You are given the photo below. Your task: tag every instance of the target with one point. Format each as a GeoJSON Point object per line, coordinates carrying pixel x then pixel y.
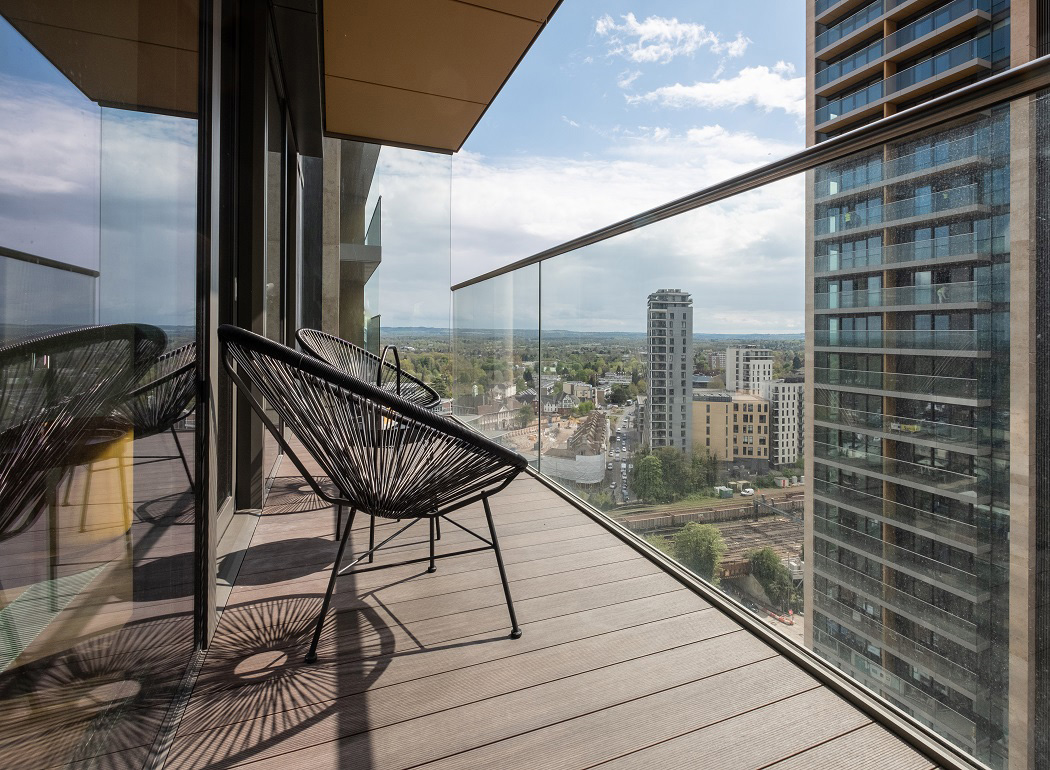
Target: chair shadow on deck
{"type": "Point", "coordinates": [255, 692]}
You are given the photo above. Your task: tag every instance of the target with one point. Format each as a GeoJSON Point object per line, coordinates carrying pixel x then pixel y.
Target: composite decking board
{"type": "Point", "coordinates": [316, 552]}
{"type": "Point", "coordinates": [525, 508]}
{"type": "Point", "coordinates": [404, 744]}
{"type": "Point", "coordinates": [416, 698]}
{"type": "Point", "coordinates": [528, 594]}
{"type": "Point", "coordinates": [774, 731]}
{"type": "Point", "coordinates": [407, 678]}
{"type": "Point", "coordinates": [607, 732]}
{"type": "Point", "coordinates": [269, 620]}
{"type": "Point", "coordinates": [219, 682]}
{"type": "Point", "coordinates": [279, 581]}
{"type": "Point", "coordinates": [867, 748]}
{"type": "Point", "coordinates": [398, 584]}
{"type": "Point", "coordinates": [303, 550]}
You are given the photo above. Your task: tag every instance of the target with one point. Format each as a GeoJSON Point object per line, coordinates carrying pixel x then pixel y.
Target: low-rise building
{"type": "Point", "coordinates": [732, 426]}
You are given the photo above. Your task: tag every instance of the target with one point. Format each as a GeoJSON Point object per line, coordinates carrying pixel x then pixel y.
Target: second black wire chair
{"type": "Point", "coordinates": [367, 366]}
{"type": "Point", "coordinates": [165, 398]}
{"type": "Point", "coordinates": [386, 456]}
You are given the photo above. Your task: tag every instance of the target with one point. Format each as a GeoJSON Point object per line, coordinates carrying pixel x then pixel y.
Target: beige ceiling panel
{"type": "Point", "coordinates": [439, 47]}
{"type": "Point", "coordinates": [396, 116]}
{"type": "Point", "coordinates": [121, 72]}
{"type": "Point", "coordinates": [537, 10]}
{"type": "Point", "coordinates": [171, 23]}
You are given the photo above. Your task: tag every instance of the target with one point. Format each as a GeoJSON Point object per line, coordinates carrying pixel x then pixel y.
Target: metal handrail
{"type": "Point", "coordinates": [1002, 87]}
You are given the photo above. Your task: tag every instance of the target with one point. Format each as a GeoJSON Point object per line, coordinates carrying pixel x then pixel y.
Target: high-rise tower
{"type": "Point", "coordinates": [915, 333]}
{"type": "Point", "coordinates": [669, 334]}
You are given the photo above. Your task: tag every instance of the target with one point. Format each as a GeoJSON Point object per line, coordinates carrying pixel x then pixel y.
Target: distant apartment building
{"type": "Point", "coordinates": [786, 406]}
{"type": "Point", "coordinates": [669, 330]}
{"type": "Point", "coordinates": [716, 359]}
{"type": "Point", "coordinates": [918, 496]}
{"type": "Point", "coordinates": [748, 369]}
{"type": "Point", "coordinates": [735, 427]}
{"type": "Point", "coordinates": [582, 390]}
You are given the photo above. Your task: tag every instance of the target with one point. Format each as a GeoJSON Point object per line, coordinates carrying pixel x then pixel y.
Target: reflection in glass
{"type": "Point", "coordinates": [97, 226]}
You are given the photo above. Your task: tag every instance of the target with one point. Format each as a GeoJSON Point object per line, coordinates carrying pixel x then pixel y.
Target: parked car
{"type": "Point", "coordinates": [608, 467]}
{"type": "Point", "coordinates": [747, 492]}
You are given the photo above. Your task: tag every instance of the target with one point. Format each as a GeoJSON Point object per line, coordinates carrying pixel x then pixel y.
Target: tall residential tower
{"type": "Point", "coordinates": [668, 409]}
{"type": "Point", "coordinates": [917, 448]}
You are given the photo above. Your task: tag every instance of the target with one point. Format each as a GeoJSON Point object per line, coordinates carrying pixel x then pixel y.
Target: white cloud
{"type": "Point", "coordinates": [627, 77]}
{"type": "Point", "coordinates": [743, 258]}
{"type": "Point", "coordinates": [769, 88]}
{"type": "Point", "coordinates": [659, 39]}
{"type": "Point", "coordinates": [570, 121]}
{"type": "Point", "coordinates": [746, 252]}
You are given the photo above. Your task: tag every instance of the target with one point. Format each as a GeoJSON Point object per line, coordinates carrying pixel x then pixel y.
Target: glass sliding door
{"type": "Point", "coordinates": [98, 307]}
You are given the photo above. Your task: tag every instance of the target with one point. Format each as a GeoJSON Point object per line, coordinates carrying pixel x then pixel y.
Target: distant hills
{"type": "Point", "coordinates": [561, 334]}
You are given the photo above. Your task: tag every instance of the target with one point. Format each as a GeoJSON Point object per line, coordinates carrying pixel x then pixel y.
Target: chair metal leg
{"type": "Point", "coordinates": [338, 521]}
{"type": "Point", "coordinates": [515, 631]}
{"type": "Point", "coordinates": [371, 538]}
{"type": "Point", "coordinates": [182, 456]}
{"type": "Point", "coordinates": [311, 656]}
{"type": "Point", "coordinates": [437, 521]}
{"type": "Point", "coordinates": [433, 566]}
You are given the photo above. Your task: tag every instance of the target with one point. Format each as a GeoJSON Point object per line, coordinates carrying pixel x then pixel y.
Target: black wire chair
{"type": "Point", "coordinates": [365, 365]}
{"type": "Point", "coordinates": [386, 456]}
{"type": "Point", "coordinates": [166, 398]}
{"type": "Point", "coordinates": [54, 390]}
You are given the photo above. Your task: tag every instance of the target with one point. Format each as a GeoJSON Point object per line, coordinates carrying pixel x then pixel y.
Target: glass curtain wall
{"type": "Point", "coordinates": [98, 238]}
{"type": "Point", "coordinates": [674, 397]}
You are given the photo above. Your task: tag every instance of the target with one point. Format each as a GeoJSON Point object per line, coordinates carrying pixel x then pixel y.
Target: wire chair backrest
{"type": "Point", "coordinates": [367, 366]}
{"type": "Point", "coordinates": [384, 454]}
{"type": "Point", "coordinates": [166, 393]}
{"type": "Point", "coordinates": [53, 390]}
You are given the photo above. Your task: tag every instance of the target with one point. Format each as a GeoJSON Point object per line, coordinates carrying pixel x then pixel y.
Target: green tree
{"type": "Point", "coordinates": [796, 362]}
{"type": "Point", "coordinates": [704, 471]}
{"type": "Point", "coordinates": [584, 408]}
{"type": "Point", "coordinates": [676, 471]}
{"type": "Point", "coordinates": [700, 547]}
{"type": "Point", "coordinates": [649, 480]}
{"type": "Point", "coordinates": [525, 415]}
{"type": "Point", "coordinates": [772, 575]}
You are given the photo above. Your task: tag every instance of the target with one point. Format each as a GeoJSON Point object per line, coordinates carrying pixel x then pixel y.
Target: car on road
{"type": "Point", "coordinates": [608, 467]}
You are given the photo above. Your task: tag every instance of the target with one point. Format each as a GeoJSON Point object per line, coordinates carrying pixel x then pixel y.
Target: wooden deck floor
{"type": "Point", "coordinates": [620, 665]}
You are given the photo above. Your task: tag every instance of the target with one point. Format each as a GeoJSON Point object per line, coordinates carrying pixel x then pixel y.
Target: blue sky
{"type": "Point", "coordinates": [617, 108]}
{"type": "Point", "coordinates": [573, 70]}
{"type": "Point", "coordinates": [621, 106]}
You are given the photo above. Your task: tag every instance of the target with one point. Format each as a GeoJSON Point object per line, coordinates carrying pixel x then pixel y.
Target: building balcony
{"type": "Point", "coordinates": [939, 481]}
{"type": "Point", "coordinates": [956, 533]}
{"type": "Point", "coordinates": [957, 581]}
{"type": "Point", "coordinates": [906, 605]}
{"type": "Point", "coordinates": [961, 390]}
{"type": "Point", "coordinates": [861, 24]}
{"type": "Point", "coordinates": [963, 295]}
{"type": "Point", "coordinates": [957, 438]}
{"type": "Point", "coordinates": [959, 154]}
{"type": "Point", "coordinates": [966, 247]}
{"type": "Point", "coordinates": [926, 708]}
{"type": "Point", "coordinates": [957, 342]}
{"type": "Point", "coordinates": [416, 670]}
{"type": "Point", "coordinates": [929, 30]}
{"type": "Point", "coordinates": [945, 68]}
{"type": "Point", "coordinates": [933, 206]}
{"type": "Point", "coordinates": [959, 677]}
